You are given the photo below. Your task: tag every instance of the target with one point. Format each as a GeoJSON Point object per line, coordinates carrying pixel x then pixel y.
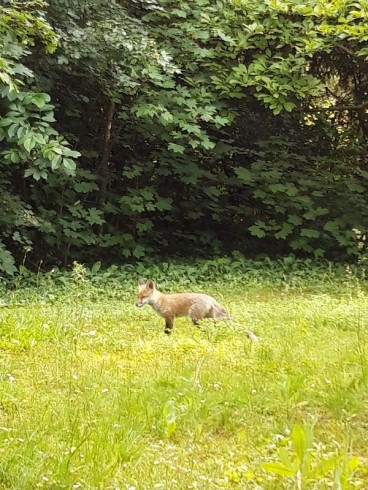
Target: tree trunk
{"type": "Point", "coordinates": [105, 154]}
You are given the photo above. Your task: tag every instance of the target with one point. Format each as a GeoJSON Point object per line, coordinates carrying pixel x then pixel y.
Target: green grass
{"type": "Point", "coordinates": [94, 395]}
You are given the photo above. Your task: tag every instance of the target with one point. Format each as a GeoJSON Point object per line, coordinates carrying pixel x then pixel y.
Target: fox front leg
{"type": "Point", "coordinates": [169, 323]}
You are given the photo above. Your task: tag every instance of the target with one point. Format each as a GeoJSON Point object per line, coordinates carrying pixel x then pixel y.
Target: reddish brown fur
{"type": "Point", "coordinates": [195, 305]}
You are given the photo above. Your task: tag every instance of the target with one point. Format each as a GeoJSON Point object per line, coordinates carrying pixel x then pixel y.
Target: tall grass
{"type": "Point", "coordinates": [95, 396]}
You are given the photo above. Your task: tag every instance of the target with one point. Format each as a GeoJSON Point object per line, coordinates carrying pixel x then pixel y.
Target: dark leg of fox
{"type": "Point", "coordinates": [196, 313]}
{"type": "Point", "coordinates": [195, 322]}
{"type": "Point", "coordinates": [169, 323]}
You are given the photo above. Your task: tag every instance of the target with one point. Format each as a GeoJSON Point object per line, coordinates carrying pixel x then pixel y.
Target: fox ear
{"type": "Point", "coordinates": [150, 284]}
{"type": "Point", "coordinates": [141, 282]}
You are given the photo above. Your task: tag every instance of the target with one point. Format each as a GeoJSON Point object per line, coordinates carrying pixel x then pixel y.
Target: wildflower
{"type": "Point", "coordinates": [11, 378]}
{"type": "Point", "coordinates": [198, 384]}
{"type": "Point", "coordinates": [74, 376]}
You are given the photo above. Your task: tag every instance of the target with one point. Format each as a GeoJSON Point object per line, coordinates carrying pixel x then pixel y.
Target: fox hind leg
{"type": "Point", "coordinates": [197, 312]}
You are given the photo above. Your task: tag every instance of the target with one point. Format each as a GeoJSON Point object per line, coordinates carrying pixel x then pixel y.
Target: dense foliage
{"type": "Point", "coordinates": [157, 127]}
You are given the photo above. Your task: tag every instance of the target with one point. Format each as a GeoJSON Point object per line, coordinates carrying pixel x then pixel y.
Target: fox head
{"type": "Point", "coordinates": [145, 292]}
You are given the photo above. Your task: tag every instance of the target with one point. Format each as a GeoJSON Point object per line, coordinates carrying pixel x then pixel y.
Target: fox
{"type": "Point", "coordinates": [170, 306]}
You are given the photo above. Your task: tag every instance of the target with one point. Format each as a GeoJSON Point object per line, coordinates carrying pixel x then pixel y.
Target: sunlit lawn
{"type": "Point", "coordinates": [94, 395]}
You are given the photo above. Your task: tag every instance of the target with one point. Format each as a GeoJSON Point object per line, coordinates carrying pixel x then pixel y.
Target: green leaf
{"type": "Point", "coordinates": [309, 233]}
{"type": "Point", "coordinates": [170, 429]}
{"type": "Point", "coordinates": [139, 251]}
{"type": "Point", "coordinates": [95, 217]}
{"type": "Point", "coordinates": [49, 117]}
{"type": "Point", "coordinates": [96, 267]}
{"type": "Point", "coordinates": [39, 138]}
{"type": "Point", "coordinates": [353, 464]}
{"type": "Point", "coordinates": [164, 203]}
{"type": "Point", "coordinates": [29, 143]}
{"type": "Point", "coordinates": [325, 466]}
{"type": "Point", "coordinates": [12, 130]}
{"type": "Point", "coordinates": [257, 231]}
{"type": "Point", "coordinates": [244, 174]}
{"type": "Point", "coordinates": [85, 187]}
{"type": "Point", "coordinates": [278, 468]}
{"type": "Point", "coordinates": [289, 106]}
{"type": "Point", "coordinates": [179, 13]}
{"type": "Point", "coordinates": [6, 122]}
{"type": "Point", "coordinates": [299, 441]}
{"type": "Point", "coordinates": [39, 100]}
{"type": "Point", "coordinates": [295, 220]}
{"type": "Point", "coordinates": [207, 143]}
{"type": "Point", "coordinates": [286, 229]}
{"type": "Point", "coordinates": [55, 162]}
{"type": "Point", "coordinates": [204, 35]}
{"type": "Point", "coordinates": [176, 148]}
{"type": "Point", "coordinates": [332, 226]}
{"type": "Point", "coordinates": [69, 164]}
{"type": "Point", "coordinates": [7, 262]}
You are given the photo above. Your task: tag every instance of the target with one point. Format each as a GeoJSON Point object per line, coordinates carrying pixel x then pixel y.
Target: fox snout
{"type": "Point", "coordinates": [139, 304]}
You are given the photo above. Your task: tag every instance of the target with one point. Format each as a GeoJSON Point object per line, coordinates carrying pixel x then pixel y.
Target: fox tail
{"type": "Point", "coordinates": [220, 312]}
